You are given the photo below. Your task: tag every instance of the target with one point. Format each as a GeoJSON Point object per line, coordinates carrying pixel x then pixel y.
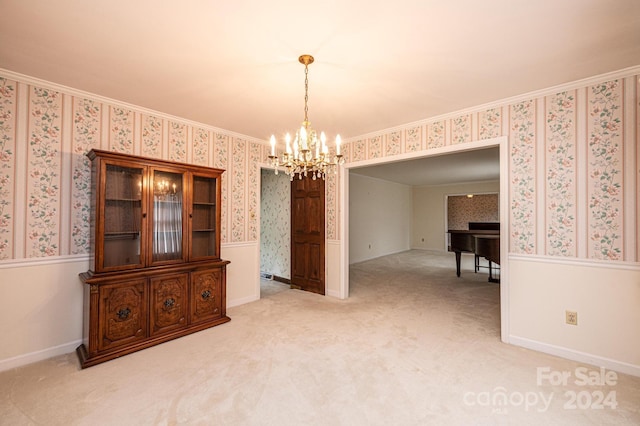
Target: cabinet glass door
{"type": "Point", "coordinates": [168, 198]}
{"type": "Point", "coordinates": [203, 217]}
{"type": "Point", "coordinates": [122, 242]}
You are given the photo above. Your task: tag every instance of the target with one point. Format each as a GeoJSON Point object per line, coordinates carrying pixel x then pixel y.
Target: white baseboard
{"type": "Point", "coordinates": [611, 364]}
{"type": "Point", "coordinates": [242, 301]}
{"type": "Point", "coordinates": [333, 293]}
{"type": "Point", "coordinates": [20, 360]}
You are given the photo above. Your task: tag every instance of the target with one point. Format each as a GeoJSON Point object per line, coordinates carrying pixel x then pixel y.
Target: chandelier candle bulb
{"type": "Point", "coordinates": [273, 146]}
{"type": "Point", "coordinates": [303, 137]}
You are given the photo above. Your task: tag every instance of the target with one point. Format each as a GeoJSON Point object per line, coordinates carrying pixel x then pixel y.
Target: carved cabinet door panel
{"type": "Point", "coordinates": [206, 295]}
{"type": "Point", "coordinates": [123, 313]}
{"type": "Point", "coordinates": [168, 302]}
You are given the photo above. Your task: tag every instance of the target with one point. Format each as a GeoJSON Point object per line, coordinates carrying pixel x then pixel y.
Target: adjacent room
{"type": "Point", "coordinates": [409, 212]}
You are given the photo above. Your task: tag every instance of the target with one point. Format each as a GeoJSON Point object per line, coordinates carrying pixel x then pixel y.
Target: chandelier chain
{"type": "Point", "coordinates": [306, 93]}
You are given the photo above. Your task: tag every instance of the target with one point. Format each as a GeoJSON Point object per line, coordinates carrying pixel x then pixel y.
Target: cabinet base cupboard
{"type": "Point", "coordinates": [156, 269]}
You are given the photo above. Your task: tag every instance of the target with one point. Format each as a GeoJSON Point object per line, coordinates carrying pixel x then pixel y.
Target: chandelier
{"type": "Point", "coordinates": [306, 154]}
{"type": "Point", "coordinates": [163, 189]}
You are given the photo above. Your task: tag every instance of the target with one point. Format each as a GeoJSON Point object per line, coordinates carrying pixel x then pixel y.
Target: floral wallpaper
{"type": "Point", "coordinates": [566, 183]}
{"type": "Point", "coordinates": [151, 134]}
{"type": "Point", "coordinates": [522, 150]}
{"type": "Point", "coordinates": [480, 208]}
{"type": "Point", "coordinates": [359, 151]}
{"type": "Point", "coordinates": [393, 141]}
{"type": "Point", "coordinates": [255, 156]}
{"type": "Point", "coordinates": [121, 130]}
{"type": "Point", "coordinates": [346, 152]}
{"type": "Point", "coordinates": [200, 154]}
{"type": "Point", "coordinates": [435, 135]}
{"type": "Point", "coordinates": [461, 129]}
{"type": "Point", "coordinates": [238, 177]}
{"type": "Point", "coordinates": [177, 142]}
{"type": "Point", "coordinates": [221, 161]}
{"type": "Point", "coordinates": [413, 139]}
{"type": "Point", "coordinates": [331, 202]}
{"type": "Point", "coordinates": [560, 147]}
{"type": "Point", "coordinates": [605, 170]}
{"type": "Point", "coordinates": [86, 136]}
{"type": "Point", "coordinates": [7, 164]}
{"type": "Point", "coordinates": [43, 184]}
{"type": "Point", "coordinates": [275, 229]}
{"type": "Point", "coordinates": [375, 147]}
{"type": "Point", "coordinates": [490, 123]}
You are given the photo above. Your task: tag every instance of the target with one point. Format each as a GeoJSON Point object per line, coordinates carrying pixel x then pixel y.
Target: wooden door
{"type": "Point", "coordinates": [307, 235]}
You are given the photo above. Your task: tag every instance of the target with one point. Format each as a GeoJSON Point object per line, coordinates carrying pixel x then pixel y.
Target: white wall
{"type": "Point", "coordinates": [243, 273]}
{"type": "Point", "coordinates": [41, 313]}
{"type": "Point", "coordinates": [379, 217]}
{"type": "Point", "coordinates": [429, 211]}
{"type": "Point", "coordinates": [606, 298]}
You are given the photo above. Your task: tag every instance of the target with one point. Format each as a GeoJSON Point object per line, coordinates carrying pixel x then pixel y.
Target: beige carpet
{"type": "Point", "coordinates": [413, 345]}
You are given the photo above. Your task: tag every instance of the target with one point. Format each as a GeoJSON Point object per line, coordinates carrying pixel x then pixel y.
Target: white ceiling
{"type": "Point", "coordinates": [459, 167]}
{"type": "Point", "coordinates": [379, 64]}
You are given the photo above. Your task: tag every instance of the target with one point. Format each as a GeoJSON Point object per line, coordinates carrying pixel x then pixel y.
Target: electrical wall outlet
{"type": "Point", "coordinates": [571, 317]}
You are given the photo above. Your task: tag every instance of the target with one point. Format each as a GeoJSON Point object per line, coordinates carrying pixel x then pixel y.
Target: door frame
{"type": "Point", "coordinates": [502, 143]}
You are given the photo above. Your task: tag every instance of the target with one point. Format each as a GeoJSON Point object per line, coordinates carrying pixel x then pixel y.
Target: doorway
{"type": "Point", "coordinates": [275, 229]}
{"type": "Point", "coordinates": [501, 143]}
{"type": "Point", "coordinates": [292, 233]}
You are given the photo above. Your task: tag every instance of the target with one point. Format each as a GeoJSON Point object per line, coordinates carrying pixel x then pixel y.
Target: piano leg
{"type": "Point", "coordinates": [491, 279]}
{"type": "Point", "coordinates": [458, 255]}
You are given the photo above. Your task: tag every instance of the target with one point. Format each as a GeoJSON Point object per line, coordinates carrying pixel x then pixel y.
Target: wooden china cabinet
{"type": "Point", "coordinates": [156, 269]}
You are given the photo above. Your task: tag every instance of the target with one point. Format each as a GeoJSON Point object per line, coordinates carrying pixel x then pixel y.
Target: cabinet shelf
{"type": "Point", "coordinates": [121, 233]}
{"type": "Point", "coordinates": [128, 200]}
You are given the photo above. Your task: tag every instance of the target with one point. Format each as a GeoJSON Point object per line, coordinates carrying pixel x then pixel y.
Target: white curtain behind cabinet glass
{"type": "Point", "coordinates": [167, 220]}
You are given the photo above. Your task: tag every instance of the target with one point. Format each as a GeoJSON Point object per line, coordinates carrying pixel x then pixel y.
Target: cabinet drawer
{"type": "Point", "coordinates": [168, 303]}
{"type": "Point", "coordinates": [206, 295]}
{"type": "Point", "coordinates": [122, 314]}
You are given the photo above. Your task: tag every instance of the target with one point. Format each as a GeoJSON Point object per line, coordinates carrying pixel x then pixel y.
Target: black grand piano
{"type": "Point", "coordinates": [481, 239]}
